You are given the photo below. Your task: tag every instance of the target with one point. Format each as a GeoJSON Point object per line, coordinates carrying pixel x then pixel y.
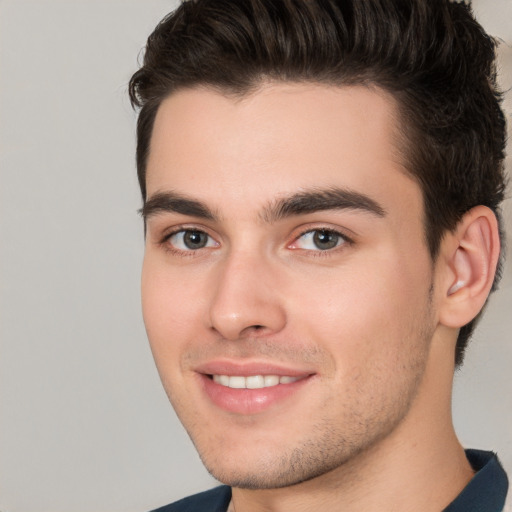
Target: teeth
{"type": "Point", "coordinates": [286, 380]}
{"type": "Point", "coordinates": [222, 379]}
{"type": "Point", "coordinates": [271, 380]}
{"type": "Point", "coordinates": [253, 381]}
{"type": "Point", "coordinates": [237, 382]}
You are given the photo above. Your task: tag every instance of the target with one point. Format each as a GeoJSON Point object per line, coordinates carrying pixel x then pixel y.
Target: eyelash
{"type": "Point", "coordinates": [164, 242]}
{"type": "Point", "coordinates": [345, 240]}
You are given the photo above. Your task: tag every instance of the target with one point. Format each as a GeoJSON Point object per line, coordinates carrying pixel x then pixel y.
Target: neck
{"type": "Point", "coordinates": [420, 466]}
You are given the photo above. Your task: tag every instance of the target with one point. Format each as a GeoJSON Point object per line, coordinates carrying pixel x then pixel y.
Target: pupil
{"type": "Point", "coordinates": [325, 239]}
{"type": "Point", "coordinates": [195, 239]}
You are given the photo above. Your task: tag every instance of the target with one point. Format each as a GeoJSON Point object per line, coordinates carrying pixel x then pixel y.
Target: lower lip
{"type": "Point", "coordinates": [249, 401]}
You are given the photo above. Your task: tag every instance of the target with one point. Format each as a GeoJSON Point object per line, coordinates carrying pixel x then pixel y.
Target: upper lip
{"type": "Point", "coordinates": [247, 368]}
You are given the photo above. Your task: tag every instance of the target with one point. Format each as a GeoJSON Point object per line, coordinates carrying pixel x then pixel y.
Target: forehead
{"type": "Point", "coordinates": [281, 137]}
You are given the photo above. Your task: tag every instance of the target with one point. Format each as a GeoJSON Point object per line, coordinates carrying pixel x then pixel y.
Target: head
{"type": "Point", "coordinates": [304, 166]}
{"type": "Point", "coordinates": [430, 55]}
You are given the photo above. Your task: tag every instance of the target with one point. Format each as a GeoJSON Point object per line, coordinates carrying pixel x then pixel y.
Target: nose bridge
{"type": "Point", "coordinates": [245, 299]}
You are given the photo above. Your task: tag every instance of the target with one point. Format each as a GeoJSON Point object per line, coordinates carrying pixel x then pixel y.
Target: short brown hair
{"type": "Point", "coordinates": [431, 55]}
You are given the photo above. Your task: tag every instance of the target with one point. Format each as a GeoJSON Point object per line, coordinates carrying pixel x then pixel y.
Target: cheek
{"type": "Point", "coordinates": [368, 311]}
{"type": "Point", "coordinates": [169, 307]}
{"type": "Point", "coordinates": [372, 325]}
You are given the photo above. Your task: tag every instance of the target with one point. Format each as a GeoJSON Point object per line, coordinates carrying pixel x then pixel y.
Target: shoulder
{"type": "Point", "coordinates": [214, 500]}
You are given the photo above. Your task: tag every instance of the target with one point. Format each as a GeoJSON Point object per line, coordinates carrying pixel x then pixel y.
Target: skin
{"type": "Point", "coordinates": [367, 321]}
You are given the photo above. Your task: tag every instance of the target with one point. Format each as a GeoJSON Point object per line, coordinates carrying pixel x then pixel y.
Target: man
{"type": "Point", "coordinates": [321, 183]}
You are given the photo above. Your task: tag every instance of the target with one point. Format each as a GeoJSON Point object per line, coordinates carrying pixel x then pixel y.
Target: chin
{"type": "Point", "coordinates": [273, 470]}
{"type": "Point", "coordinates": [256, 480]}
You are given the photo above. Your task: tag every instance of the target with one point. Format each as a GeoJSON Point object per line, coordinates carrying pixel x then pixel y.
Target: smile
{"type": "Point", "coordinates": [251, 394]}
{"type": "Point", "coordinates": [253, 381]}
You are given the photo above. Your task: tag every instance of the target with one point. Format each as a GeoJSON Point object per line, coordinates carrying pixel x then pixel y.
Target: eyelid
{"type": "Point", "coordinates": [172, 230]}
{"type": "Point", "coordinates": [345, 239]}
{"type": "Point", "coordinates": [164, 240]}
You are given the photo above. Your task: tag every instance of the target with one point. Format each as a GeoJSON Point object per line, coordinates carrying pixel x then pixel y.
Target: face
{"type": "Point", "coordinates": [286, 281]}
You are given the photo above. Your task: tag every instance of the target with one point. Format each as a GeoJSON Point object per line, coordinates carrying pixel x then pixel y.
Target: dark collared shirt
{"type": "Point", "coordinates": [486, 492]}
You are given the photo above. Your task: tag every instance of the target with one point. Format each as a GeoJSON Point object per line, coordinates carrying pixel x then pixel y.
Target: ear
{"type": "Point", "coordinates": [468, 259]}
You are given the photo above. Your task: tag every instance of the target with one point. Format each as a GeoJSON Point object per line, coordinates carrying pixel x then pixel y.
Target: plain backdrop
{"type": "Point", "coordinates": [84, 423]}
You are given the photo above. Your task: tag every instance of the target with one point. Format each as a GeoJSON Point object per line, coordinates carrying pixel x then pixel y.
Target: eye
{"type": "Point", "coordinates": [191, 240]}
{"type": "Point", "coordinates": [319, 240]}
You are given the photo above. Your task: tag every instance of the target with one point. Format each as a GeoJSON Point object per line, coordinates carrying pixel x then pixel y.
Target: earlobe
{"type": "Point", "coordinates": [470, 254]}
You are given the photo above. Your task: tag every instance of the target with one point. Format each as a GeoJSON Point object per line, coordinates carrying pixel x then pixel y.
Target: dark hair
{"type": "Point", "coordinates": [431, 55]}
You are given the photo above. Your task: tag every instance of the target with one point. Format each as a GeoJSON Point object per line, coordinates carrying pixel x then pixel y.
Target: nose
{"type": "Point", "coordinates": [246, 300]}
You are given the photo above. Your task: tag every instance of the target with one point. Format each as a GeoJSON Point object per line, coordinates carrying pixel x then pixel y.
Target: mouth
{"type": "Point", "coordinates": [247, 389]}
{"type": "Point", "coordinates": [253, 381]}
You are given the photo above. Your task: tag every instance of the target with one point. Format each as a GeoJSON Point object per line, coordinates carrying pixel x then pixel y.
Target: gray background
{"type": "Point", "coordinates": [84, 423]}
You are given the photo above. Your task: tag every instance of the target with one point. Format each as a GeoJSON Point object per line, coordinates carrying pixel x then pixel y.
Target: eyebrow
{"type": "Point", "coordinates": [172, 202]}
{"type": "Point", "coordinates": [300, 203]}
{"type": "Point", "coordinates": [310, 201]}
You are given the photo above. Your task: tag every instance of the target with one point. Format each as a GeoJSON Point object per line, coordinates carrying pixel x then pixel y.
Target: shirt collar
{"type": "Point", "coordinates": [487, 490]}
